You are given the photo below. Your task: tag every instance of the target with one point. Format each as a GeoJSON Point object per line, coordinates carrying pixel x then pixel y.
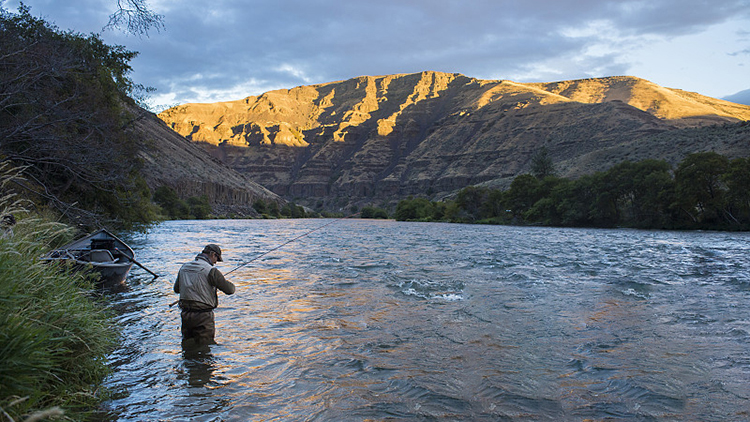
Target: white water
{"type": "Point", "coordinates": [374, 320]}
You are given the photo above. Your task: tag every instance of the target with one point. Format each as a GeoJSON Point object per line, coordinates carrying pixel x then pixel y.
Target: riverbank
{"type": "Point", "coordinates": [55, 331]}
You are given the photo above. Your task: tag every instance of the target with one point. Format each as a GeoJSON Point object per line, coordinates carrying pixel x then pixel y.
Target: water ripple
{"type": "Point", "coordinates": [379, 320]}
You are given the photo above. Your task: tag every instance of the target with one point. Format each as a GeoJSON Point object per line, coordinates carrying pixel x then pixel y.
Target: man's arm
{"type": "Point", "coordinates": [177, 285]}
{"type": "Point", "coordinates": [216, 278]}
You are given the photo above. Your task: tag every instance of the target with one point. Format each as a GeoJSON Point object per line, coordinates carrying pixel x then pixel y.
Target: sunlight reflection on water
{"type": "Point", "coordinates": [379, 319]}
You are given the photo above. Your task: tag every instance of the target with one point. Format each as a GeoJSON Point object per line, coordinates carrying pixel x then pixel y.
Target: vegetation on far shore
{"type": "Point", "coordinates": [705, 191]}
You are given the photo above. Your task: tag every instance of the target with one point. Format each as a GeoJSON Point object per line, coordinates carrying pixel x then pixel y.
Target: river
{"type": "Point", "coordinates": [382, 320]}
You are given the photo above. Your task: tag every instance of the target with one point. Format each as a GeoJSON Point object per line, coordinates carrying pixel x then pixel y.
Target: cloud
{"type": "Point", "coordinates": [237, 45]}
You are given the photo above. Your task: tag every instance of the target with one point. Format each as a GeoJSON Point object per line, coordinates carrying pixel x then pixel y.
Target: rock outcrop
{"type": "Point", "coordinates": [383, 138]}
{"type": "Point", "coordinates": [169, 159]}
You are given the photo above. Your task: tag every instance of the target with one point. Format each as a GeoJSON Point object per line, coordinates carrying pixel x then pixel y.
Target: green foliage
{"type": "Point", "coordinates": [737, 179]}
{"type": "Point", "coordinates": [548, 209]}
{"type": "Point", "coordinates": [260, 206]}
{"type": "Point", "coordinates": [706, 191]}
{"type": "Point", "coordinates": [199, 206]}
{"type": "Point", "coordinates": [273, 209]}
{"type": "Point", "coordinates": [636, 194]}
{"type": "Point", "coordinates": [292, 210]}
{"type": "Point", "coordinates": [419, 209]}
{"type": "Point", "coordinates": [470, 200]}
{"type": "Point", "coordinates": [195, 207]}
{"type": "Point", "coordinates": [171, 204]}
{"type": "Point", "coordinates": [373, 212]}
{"type": "Point", "coordinates": [55, 334]}
{"type": "Point", "coordinates": [523, 194]}
{"type": "Point", "coordinates": [133, 207]}
{"type": "Point", "coordinates": [700, 187]}
{"type": "Point", "coordinates": [65, 113]}
{"type": "Point", "coordinates": [542, 165]}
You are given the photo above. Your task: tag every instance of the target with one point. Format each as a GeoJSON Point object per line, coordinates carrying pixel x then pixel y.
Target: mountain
{"type": "Point", "coordinates": [171, 160]}
{"type": "Point", "coordinates": [382, 138]}
{"type": "Point", "coordinates": [742, 97]}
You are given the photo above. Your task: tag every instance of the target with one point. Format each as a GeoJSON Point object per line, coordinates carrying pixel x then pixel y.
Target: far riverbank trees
{"type": "Point", "coordinates": [705, 191]}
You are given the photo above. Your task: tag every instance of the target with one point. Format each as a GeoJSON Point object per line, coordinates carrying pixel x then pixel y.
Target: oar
{"type": "Point", "coordinates": [138, 264]}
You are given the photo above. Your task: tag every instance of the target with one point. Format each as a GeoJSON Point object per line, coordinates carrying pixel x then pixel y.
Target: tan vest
{"type": "Point", "coordinates": [193, 279]}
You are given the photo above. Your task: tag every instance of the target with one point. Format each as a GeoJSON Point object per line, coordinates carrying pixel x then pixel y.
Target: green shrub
{"type": "Point", "coordinates": [418, 209]}
{"type": "Point", "coordinates": [260, 206]}
{"type": "Point", "coordinates": [171, 204]}
{"type": "Point", "coordinates": [293, 210]}
{"type": "Point", "coordinates": [373, 212]}
{"type": "Point", "coordinates": [199, 207]}
{"type": "Point", "coordinates": [54, 333]}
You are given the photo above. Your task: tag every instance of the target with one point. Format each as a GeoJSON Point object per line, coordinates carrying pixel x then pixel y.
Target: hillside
{"type": "Point", "coordinates": [171, 160]}
{"type": "Point", "coordinates": [382, 138]}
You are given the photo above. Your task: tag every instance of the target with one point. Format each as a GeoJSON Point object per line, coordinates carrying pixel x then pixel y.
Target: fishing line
{"type": "Point", "coordinates": [286, 243]}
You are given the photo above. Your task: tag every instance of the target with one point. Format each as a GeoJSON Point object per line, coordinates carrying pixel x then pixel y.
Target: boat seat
{"type": "Point", "coordinates": [101, 255]}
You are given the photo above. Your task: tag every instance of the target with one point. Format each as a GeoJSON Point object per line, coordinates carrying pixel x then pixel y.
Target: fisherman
{"type": "Point", "coordinates": [198, 282]}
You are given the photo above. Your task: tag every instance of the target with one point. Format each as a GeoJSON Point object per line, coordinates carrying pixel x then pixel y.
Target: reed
{"type": "Point", "coordinates": [55, 333]}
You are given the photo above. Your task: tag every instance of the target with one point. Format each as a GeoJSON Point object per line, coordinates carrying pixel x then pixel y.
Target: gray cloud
{"type": "Point", "coordinates": [227, 49]}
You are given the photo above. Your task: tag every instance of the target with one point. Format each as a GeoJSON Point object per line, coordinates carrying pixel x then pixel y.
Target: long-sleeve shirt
{"type": "Point", "coordinates": [198, 282]}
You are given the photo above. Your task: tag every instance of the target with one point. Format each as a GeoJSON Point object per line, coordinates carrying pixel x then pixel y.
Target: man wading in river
{"type": "Point", "coordinates": [198, 283]}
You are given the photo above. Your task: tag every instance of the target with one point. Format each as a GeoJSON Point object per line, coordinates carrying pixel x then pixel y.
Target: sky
{"type": "Point", "coordinates": [224, 50]}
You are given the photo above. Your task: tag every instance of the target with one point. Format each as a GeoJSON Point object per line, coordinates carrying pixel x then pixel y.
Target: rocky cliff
{"type": "Point", "coordinates": [382, 138]}
{"type": "Point", "coordinates": [171, 160]}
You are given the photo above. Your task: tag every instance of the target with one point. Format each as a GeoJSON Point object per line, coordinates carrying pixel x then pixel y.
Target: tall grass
{"type": "Point", "coordinates": [54, 331]}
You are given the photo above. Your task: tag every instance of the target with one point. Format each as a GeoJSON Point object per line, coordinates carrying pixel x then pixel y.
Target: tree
{"type": "Point", "coordinates": [200, 208]}
{"type": "Point", "coordinates": [545, 209]}
{"type": "Point", "coordinates": [523, 193]}
{"type": "Point", "coordinates": [640, 193]}
{"type": "Point", "coordinates": [541, 164]}
{"type": "Point", "coordinates": [577, 201]}
{"type": "Point", "coordinates": [415, 209]}
{"type": "Point", "coordinates": [654, 196]}
{"type": "Point", "coordinates": [700, 186]}
{"type": "Point", "coordinates": [134, 17]}
{"type": "Point", "coordinates": [737, 180]}
{"type": "Point", "coordinates": [293, 210]}
{"type": "Point", "coordinates": [374, 212]}
{"type": "Point", "coordinates": [260, 206]}
{"type": "Point", "coordinates": [168, 200]}
{"type": "Point", "coordinates": [64, 110]}
{"type": "Point", "coordinates": [470, 200]}
{"type": "Point", "coordinates": [494, 206]}
{"type": "Point", "coordinates": [273, 209]}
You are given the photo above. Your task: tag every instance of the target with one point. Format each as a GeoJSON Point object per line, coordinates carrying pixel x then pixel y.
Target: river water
{"type": "Point", "coordinates": [381, 320]}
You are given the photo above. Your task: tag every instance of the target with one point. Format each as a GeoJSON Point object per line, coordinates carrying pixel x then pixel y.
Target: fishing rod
{"type": "Point", "coordinates": [280, 246]}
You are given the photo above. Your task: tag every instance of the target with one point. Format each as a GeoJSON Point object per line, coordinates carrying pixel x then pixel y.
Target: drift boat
{"type": "Point", "coordinates": [101, 252]}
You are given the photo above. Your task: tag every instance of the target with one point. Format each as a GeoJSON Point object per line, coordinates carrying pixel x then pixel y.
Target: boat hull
{"type": "Point", "coordinates": [106, 274]}
{"type": "Point", "coordinates": [101, 253]}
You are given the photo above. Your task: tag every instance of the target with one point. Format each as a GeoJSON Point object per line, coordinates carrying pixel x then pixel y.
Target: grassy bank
{"type": "Point", "coordinates": [54, 332]}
